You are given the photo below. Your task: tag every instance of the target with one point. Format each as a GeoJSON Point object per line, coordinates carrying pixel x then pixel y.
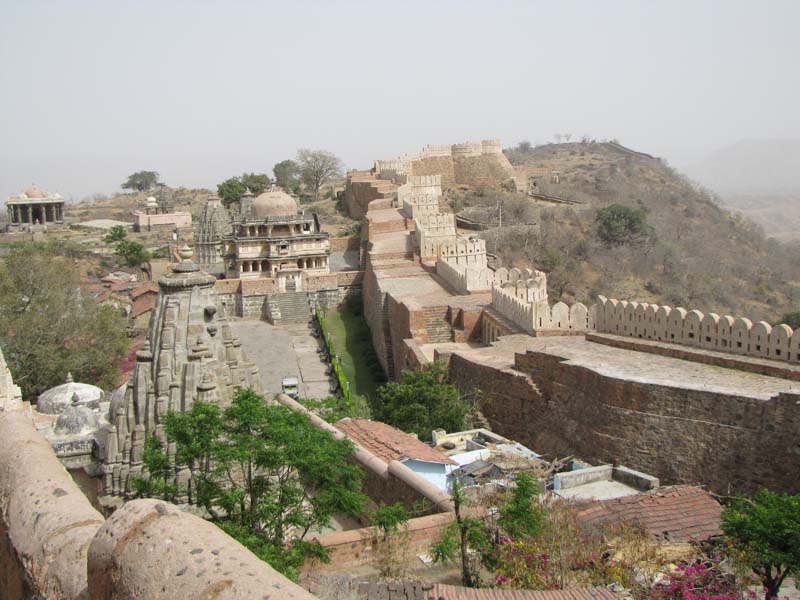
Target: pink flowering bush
{"type": "Point", "coordinates": [701, 581]}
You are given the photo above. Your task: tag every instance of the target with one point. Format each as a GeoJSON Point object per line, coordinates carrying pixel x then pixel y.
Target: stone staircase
{"type": "Point", "coordinates": [437, 328]}
{"type": "Point", "coordinates": [288, 308]}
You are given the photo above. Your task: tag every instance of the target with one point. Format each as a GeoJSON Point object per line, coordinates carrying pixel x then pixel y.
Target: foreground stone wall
{"type": "Point", "coordinates": [46, 523]}
{"type": "Point", "coordinates": [730, 443]}
{"type": "Point", "coordinates": [150, 549]}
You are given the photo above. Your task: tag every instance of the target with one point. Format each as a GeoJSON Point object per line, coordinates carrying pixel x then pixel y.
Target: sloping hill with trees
{"type": "Point", "coordinates": [637, 229]}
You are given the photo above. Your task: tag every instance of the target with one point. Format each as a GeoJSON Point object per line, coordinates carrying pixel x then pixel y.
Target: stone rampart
{"type": "Point", "coordinates": [535, 316]}
{"type": "Point", "coordinates": [434, 231]}
{"type": "Point", "coordinates": [465, 279]}
{"type": "Point", "coordinates": [680, 435]}
{"type": "Point", "coordinates": [361, 188]}
{"type": "Point", "coordinates": [735, 335]}
{"type": "Point", "coordinates": [416, 205]}
{"type": "Point", "coordinates": [479, 163]}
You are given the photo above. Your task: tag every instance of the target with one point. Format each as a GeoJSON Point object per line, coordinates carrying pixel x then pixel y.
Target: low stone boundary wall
{"type": "Point", "coordinates": [355, 548]}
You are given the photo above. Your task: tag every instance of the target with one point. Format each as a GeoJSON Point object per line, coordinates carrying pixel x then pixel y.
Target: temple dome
{"type": "Point", "coordinates": [274, 203]}
{"type": "Point", "coordinates": [35, 192]}
{"type": "Point", "coordinates": [55, 400]}
{"type": "Point", "coordinates": [77, 419]}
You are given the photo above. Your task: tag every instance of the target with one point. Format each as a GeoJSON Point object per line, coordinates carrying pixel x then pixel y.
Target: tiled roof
{"type": "Point", "coordinates": [142, 304]}
{"type": "Point", "coordinates": [670, 514]}
{"type": "Point", "coordinates": [118, 286]}
{"type": "Point", "coordinates": [389, 443]}
{"type": "Point", "coordinates": [150, 286]}
{"type": "Point", "coordinates": [440, 591]}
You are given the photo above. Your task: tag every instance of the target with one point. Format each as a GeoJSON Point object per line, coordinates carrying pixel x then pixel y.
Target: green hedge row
{"type": "Point", "coordinates": [344, 384]}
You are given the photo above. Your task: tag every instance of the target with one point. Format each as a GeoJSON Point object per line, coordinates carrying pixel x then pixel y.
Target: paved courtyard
{"type": "Point", "coordinates": [279, 352]}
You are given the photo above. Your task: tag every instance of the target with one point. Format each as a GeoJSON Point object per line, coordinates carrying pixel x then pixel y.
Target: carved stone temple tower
{"type": "Point", "coordinates": [190, 355]}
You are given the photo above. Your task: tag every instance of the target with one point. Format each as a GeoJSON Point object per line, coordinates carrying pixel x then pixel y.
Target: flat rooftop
{"type": "Point", "coordinates": [634, 366]}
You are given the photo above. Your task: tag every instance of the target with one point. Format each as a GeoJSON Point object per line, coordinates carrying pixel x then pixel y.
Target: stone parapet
{"type": "Point", "coordinates": [46, 523]}
{"type": "Point", "coordinates": [734, 335]}
{"type": "Point", "coordinates": [150, 549]}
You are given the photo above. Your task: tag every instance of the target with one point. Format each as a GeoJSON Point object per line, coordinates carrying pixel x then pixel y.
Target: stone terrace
{"type": "Point", "coordinates": [634, 366]}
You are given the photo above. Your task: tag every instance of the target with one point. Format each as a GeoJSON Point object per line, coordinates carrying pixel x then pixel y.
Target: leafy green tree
{"type": "Point", "coordinates": [48, 328]}
{"type": "Point", "coordinates": [767, 529]}
{"type": "Point", "coordinates": [524, 146]}
{"type": "Point", "coordinates": [287, 175]}
{"type": "Point", "coordinates": [422, 402]}
{"type": "Point", "coordinates": [115, 234]}
{"type": "Point", "coordinates": [257, 183]}
{"type": "Point", "coordinates": [520, 516]}
{"type": "Point", "coordinates": [792, 319]}
{"type": "Point", "coordinates": [274, 474]}
{"type": "Point", "coordinates": [195, 433]}
{"type": "Point", "coordinates": [617, 225]}
{"type": "Point", "coordinates": [141, 181]}
{"type": "Point", "coordinates": [317, 167]}
{"type": "Point", "coordinates": [464, 533]}
{"type": "Point", "coordinates": [230, 191]}
{"type": "Point", "coordinates": [133, 253]}
{"type": "Point", "coordinates": [158, 480]}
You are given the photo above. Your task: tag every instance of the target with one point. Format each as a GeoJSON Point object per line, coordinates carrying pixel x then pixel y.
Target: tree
{"type": "Point", "coordinates": [791, 319]}
{"type": "Point", "coordinates": [317, 167]}
{"type": "Point", "coordinates": [115, 234]}
{"type": "Point", "coordinates": [274, 474]}
{"type": "Point", "coordinates": [133, 253]}
{"type": "Point", "coordinates": [47, 328]}
{"type": "Point", "coordinates": [141, 181]}
{"type": "Point", "coordinates": [524, 146]}
{"type": "Point", "coordinates": [464, 533]}
{"type": "Point", "coordinates": [518, 516]}
{"type": "Point", "coordinates": [424, 401]}
{"type": "Point", "coordinates": [287, 175]}
{"type": "Point", "coordinates": [767, 529]}
{"type": "Point", "coordinates": [257, 183]}
{"type": "Point", "coordinates": [617, 225]}
{"type": "Point", "coordinates": [230, 190]}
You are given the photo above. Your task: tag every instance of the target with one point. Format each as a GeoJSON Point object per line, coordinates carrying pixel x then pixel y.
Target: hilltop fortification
{"type": "Point", "coordinates": [474, 164]}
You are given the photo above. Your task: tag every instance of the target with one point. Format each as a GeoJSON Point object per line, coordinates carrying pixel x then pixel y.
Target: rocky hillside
{"type": "Point", "coordinates": [120, 206]}
{"type": "Point", "coordinates": [695, 253]}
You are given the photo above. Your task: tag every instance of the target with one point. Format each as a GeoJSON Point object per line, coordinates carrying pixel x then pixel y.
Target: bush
{"type": "Point", "coordinates": [618, 225]}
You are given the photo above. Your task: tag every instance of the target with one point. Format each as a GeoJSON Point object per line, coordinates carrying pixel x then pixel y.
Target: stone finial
{"type": "Point", "coordinates": [75, 399]}
{"type": "Point", "coordinates": [69, 378]}
{"type": "Point", "coordinates": [185, 252]}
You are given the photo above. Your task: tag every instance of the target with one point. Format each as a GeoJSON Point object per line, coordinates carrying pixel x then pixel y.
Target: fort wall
{"type": "Point", "coordinates": [680, 435]}
{"type": "Point", "coordinates": [476, 164]}
{"type": "Point", "coordinates": [735, 335]}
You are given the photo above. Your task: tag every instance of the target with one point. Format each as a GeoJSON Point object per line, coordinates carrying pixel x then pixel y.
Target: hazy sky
{"type": "Point", "coordinates": [199, 91]}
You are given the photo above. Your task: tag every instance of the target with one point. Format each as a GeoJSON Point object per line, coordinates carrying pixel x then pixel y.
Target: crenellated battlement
{"type": "Point", "coordinates": [421, 204]}
{"type": "Point", "coordinates": [470, 252]}
{"type": "Point", "coordinates": [735, 335]}
{"type": "Point", "coordinates": [539, 316]}
{"type": "Point", "coordinates": [467, 149]}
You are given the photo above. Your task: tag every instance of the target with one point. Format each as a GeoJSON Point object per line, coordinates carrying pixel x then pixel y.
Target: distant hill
{"type": "Point", "coordinates": [700, 255]}
{"type": "Point", "coordinates": [760, 178]}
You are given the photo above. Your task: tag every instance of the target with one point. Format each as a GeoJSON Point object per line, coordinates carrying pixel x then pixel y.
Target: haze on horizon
{"type": "Point", "coordinates": [200, 91]}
